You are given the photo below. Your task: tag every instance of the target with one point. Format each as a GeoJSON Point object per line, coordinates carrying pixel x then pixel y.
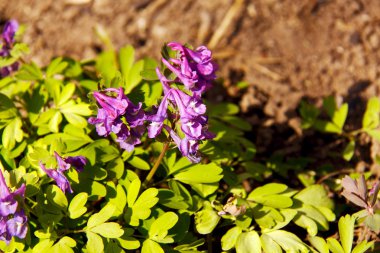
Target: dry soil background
{"type": "Point", "coordinates": [285, 49]}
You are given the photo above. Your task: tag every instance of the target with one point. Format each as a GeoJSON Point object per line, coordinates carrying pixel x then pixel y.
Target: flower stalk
{"type": "Point", "coordinates": [156, 164]}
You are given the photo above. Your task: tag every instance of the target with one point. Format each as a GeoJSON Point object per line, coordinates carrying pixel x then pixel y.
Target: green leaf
{"type": "Point", "coordinates": [126, 59]}
{"type": "Point", "coordinates": [106, 65]}
{"type": "Point", "coordinates": [159, 229]}
{"type": "Point", "coordinates": [288, 215]}
{"type": "Point", "coordinates": [330, 106]}
{"type": "Point", "coordinates": [362, 247]}
{"type": "Point", "coordinates": [371, 115]}
{"type": "Point", "coordinates": [120, 200]}
{"type": "Point", "coordinates": [43, 246]}
{"type": "Point", "coordinates": [8, 110]}
{"type": "Point", "coordinates": [326, 126]}
{"type": "Point", "coordinates": [134, 77]}
{"type": "Point", "coordinates": [150, 246]}
{"type": "Point", "coordinates": [320, 244]}
{"type": "Point", "coordinates": [340, 115]}
{"type": "Point", "coordinates": [315, 195]}
{"type": "Point", "coordinates": [108, 230]}
{"type": "Point", "coordinates": [269, 245]}
{"type": "Point", "coordinates": [133, 191]}
{"type": "Point", "coordinates": [55, 121]}
{"type": "Point", "coordinates": [66, 93]}
{"type": "Point", "coordinates": [268, 189]}
{"type": "Point", "coordinates": [56, 67]}
{"type": "Point", "coordinates": [55, 195]}
{"type": "Point", "coordinates": [19, 49]}
{"type": "Point", "coordinates": [169, 199]}
{"type": "Point", "coordinates": [204, 190]}
{"type": "Point", "coordinates": [374, 133]}
{"type": "Point", "coordinates": [102, 216]}
{"type": "Point", "coordinates": [373, 222]}
{"type": "Point", "coordinates": [79, 109]}
{"type": "Point", "coordinates": [206, 220]}
{"type": "Point", "coordinates": [73, 70]}
{"type": "Point", "coordinates": [77, 205]}
{"type": "Point", "coordinates": [149, 74]}
{"type": "Point", "coordinates": [349, 150]}
{"type": "Point", "coordinates": [308, 223]}
{"type": "Point", "coordinates": [200, 173]}
{"type": "Point", "coordinates": [89, 84]}
{"type": "Point", "coordinates": [53, 87]}
{"type": "Point", "coordinates": [229, 239]}
{"type": "Point", "coordinates": [12, 133]}
{"type": "Point", "coordinates": [150, 93]}
{"type": "Point", "coordinates": [287, 241]}
{"type": "Point", "coordinates": [334, 246]}
{"type": "Point", "coordinates": [138, 163]}
{"type": "Point", "coordinates": [248, 242]}
{"type": "Point", "coordinates": [128, 242]}
{"type": "Point", "coordinates": [29, 72]}
{"type": "Point", "coordinates": [94, 243]}
{"type": "Point", "coordinates": [266, 216]}
{"type": "Point", "coordinates": [141, 208]}
{"type": "Point", "coordinates": [222, 109]}
{"type": "Point", "coordinates": [65, 244]}
{"type": "Point", "coordinates": [346, 232]}
{"type": "Point", "coordinates": [267, 195]}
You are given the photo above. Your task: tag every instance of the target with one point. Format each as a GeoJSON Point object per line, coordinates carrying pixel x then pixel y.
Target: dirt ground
{"type": "Point", "coordinates": [285, 49]}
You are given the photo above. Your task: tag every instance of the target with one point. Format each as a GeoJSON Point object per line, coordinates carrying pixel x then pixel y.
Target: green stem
{"type": "Point", "coordinates": [157, 163]}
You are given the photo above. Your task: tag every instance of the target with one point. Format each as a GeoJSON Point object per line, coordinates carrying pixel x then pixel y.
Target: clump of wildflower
{"type": "Point", "coordinates": [117, 114]}
{"type": "Point", "coordinates": [13, 221]}
{"type": "Point", "coordinates": [64, 164]}
{"type": "Point", "coordinates": [7, 41]}
{"type": "Point", "coordinates": [120, 116]}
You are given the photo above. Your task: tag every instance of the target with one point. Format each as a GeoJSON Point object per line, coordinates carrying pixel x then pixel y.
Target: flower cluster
{"type": "Point", "coordinates": [7, 41]}
{"type": "Point", "coordinates": [118, 115]}
{"type": "Point", "coordinates": [78, 162]}
{"type": "Point", "coordinates": [195, 70]}
{"type": "Point", "coordinates": [13, 221]}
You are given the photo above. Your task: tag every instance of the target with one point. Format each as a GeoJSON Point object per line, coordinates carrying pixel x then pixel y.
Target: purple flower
{"type": "Point", "coordinates": [102, 123]}
{"type": "Point", "coordinates": [8, 200]}
{"type": "Point", "coordinates": [188, 148]}
{"type": "Point", "coordinates": [113, 106]}
{"type": "Point", "coordinates": [9, 31]}
{"type": "Point", "coordinates": [157, 120]}
{"type": "Point", "coordinates": [13, 221]}
{"type": "Point", "coordinates": [7, 36]}
{"type": "Point", "coordinates": [78, 162]}
{"type": "Point", "coordinates": [17, 226]}
{"type": "Point", "coordinates": [188, 106]}
{"type": "Point", "coordinates": [120, 116]}
{"type": "Point", "coordinates": [194, 68]}
{"type": "Point", "coordinates": [58, 176]}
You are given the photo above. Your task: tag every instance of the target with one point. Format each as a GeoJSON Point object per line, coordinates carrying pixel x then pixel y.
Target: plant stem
{"type": "Point", "coordinates": [157, 163]}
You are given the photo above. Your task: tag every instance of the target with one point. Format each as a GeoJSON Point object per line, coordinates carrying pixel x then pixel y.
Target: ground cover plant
{"type": "Point", "coordinates": [117, 154]}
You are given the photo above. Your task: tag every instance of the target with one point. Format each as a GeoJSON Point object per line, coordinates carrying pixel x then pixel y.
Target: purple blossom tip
{"type": "Point", "coordinates": [9, 31]}
{"type": "Point", "coordinates": [194, 68]}
{"type": "Point", "coordinates": [58, 176]}
{"type": "Point", "coordinates": [13, 221]}
{"type": "Point", "coordinates": [78, 162]}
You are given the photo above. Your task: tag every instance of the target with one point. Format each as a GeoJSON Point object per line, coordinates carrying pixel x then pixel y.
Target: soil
{"type": "Point", "coordinates": [285, 50]}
